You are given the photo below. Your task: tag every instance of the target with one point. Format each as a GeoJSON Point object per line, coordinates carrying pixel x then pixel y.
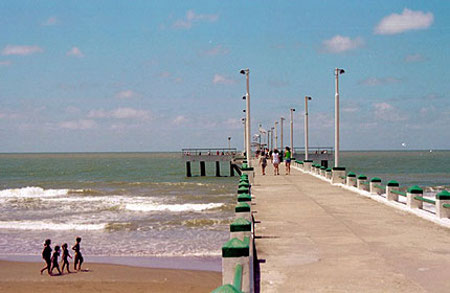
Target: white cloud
{"type": "Point", "coordinates": [221, 79]}
{"type": "Point", "coordinates": [414, 58]}
{"type": "Point", "coordinates": [387, 112]}
{"type": "Point", "coordinates": [179, 120]}
{"type": "Point", "coordinates": [126, 94]}
{"type": "Point", "coordinates": [373, 81]}
{"type": "Point", "coordinates": [5, 63]}
{"type": "Point", "coordinates": [341, 44]}
{"type": "Point", "coordinates": [50, 21]}
{"type": "Point", "coordinates": [75, 52]}
{"type": "Point", "coordinates": [406, 21]}
{"type": "Point", "coordinates": [78, 124]}
{"type": "Point", "coordinates": [192, 17]}
{"type": "Point", "coordinates": [233, 123]}
{"type": "Point", "coordinates": [121, 113]}
{"type": "Point", "coordinates": [215, 51]}
{"type": "Point", "coordinates": [21, 50]}
{"type": "Point", "coordinates": [72, 110]}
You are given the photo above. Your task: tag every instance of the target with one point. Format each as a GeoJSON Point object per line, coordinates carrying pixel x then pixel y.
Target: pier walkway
{"type": "Point", "coordinates": [311, 236]}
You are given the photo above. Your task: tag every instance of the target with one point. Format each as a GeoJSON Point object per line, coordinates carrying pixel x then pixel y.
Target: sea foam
{"type": "Point", "coordinates": [32, 192]}
{"type": "Point", "coordinates": [172, 207]}
{"type": "Point", "coordinates": [41, 225]}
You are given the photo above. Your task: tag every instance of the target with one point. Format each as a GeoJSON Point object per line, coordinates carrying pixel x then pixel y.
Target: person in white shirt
{"type": "Point", "coordinates": [276, 162]}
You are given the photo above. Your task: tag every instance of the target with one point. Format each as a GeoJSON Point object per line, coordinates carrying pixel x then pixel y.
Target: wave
{"type": "Point", "coordinates": [173, 207]}
{"type": "Point", "coordinates": [41, 225]}
{"type": "Point", "coordinates": [34, 192]}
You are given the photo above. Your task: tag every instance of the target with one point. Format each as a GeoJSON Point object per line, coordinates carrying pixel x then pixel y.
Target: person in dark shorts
{"type": "Point", "coordinates": [65, 258]}
{"type": "Point", "coordinates": [47, 256]}
{"type": "Point", "coordinates": [55, 263]}
{"type": "Point", "coordinates": [78, 258]}
{"type": "Point", "coordinates": [287, 158]}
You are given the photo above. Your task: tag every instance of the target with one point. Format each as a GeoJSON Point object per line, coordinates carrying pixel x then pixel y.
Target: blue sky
{"type": "Point", "coordinates": [162, 75]}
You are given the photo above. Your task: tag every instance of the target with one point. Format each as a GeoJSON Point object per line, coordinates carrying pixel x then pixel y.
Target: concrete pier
{"type": "Point", "coordinates": [311, 236]}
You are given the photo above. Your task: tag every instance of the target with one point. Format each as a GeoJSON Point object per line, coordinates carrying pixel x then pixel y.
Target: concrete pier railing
{"type": "Point", "coordinates": [412, 197]}
{"type": "Point", "coordinates": [237, 253]}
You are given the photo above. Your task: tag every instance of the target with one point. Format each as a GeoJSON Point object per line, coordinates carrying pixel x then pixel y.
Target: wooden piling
{"type": "Point", "coordinates": [202, 168]}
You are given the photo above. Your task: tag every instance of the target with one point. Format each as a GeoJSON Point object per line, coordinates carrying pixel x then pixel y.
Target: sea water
{"type": "Point", "coordinates": [142, 205]}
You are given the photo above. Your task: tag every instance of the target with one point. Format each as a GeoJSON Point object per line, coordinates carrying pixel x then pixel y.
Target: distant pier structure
{"type": "Point", "coordinates": [217, 155]}
{"type": "Point", "coordinates": [316, 154]}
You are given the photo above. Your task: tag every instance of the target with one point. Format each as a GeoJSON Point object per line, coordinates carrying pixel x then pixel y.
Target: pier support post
{"type": "Point", "coordinates": [231, 170]}
{"type": "Point", "coordinates": [390, 186]}
{"type": "Point", "coordinates": [188, 169]}
{"type": "Point", "coordinates": [217, 169]}
{"type": "Point", "coordinates": [202, 169]}
{"type": "Point", "coordinates": [322, 171]}
{"type": "Point", "coordinates": [410, 194]}
{"type": "Point", "coordinates": [338, 175]}
{"type": "Point", "coordinates": [361, 183]}
{"type": "Point", "coordinates": [243, 210]}
{"type": "Point", "coordinates": [240, 228]}
{"type": "Point", "coordinates": [328, 173]}
{"type": "Point", "coordinates": [307, 164]}
{"type": "Point", "coordinates": [373, 188]}
{"type": "Point", "coordinates": [442, 198]}
{"type": "Point", "coordinates": [351, 179]}
{"type": "Point", "coordinates": [236, 252]}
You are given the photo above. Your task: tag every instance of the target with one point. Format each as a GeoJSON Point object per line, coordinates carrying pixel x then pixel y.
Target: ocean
{"type": "Point", "coordinates": [142, 205]}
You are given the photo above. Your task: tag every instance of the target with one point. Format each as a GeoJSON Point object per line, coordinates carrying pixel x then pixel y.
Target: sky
{"type": "Point", "coordinates": [93, 76]}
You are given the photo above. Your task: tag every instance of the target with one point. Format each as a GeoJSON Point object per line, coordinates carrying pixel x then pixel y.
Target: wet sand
{"type": "Point", "coordinates": [25, 277]}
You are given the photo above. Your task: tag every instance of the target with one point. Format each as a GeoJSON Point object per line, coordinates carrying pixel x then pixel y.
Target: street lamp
{"type": "Point", "coordinates": [292, 130]}
{"type": "Point", "coordinates": [276, 135]}
{"type": "Point", "coordinates": [245, 134]}
{"type": "Point", "coordinates": [271, 137]}
{"type": "Point", "coordinates": [229, 142]}
{"type": "Point", "coordinates": [337, 72]}
{"type": "Point", "coordinates": [246, 72]}
{"type": "Point", "coordinates": [281, 132]}
{"type": "Point", "coordinates": [306, 126]}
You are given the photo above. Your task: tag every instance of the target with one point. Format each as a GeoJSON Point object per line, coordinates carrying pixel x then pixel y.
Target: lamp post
{"type": "Point", "coordinates": [246, 72]}
{"type": "Point", "coordinates": [281, 133]}
{"type": "Point", "coordinates": [306, 127]}
{"type": "Point", "coordinates": [271, 137]}
{"type": "Point", "coordinates": [276, 134]}
{"type": "Point", "coordinates": [229, 142]}
{"type": "Point", "coordinates": [292, 130]}
{"type": "Point", "coordinates": [268, 139]}
{"type": "Point", "coordinates": [337, 72]}
{"type": "Point", "coordinates": [245, 134]}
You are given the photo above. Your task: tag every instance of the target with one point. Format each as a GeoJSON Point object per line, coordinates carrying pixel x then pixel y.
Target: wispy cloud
{"type": "Point", "coordinates": [406, 21]}
{"type": "Point", "coordinates": [221, 79]}
{"type": "Point", "coordinates": [278, 83]}
{"type": "Point", "coordinates": [5, 63]}
{"type": "Point", "coordinates": [51, 21]}
{"type": "Point", "coordinates": [374, 81]}
{"type": "Point", "coordinates": [21, 50]}
{"type": "Point", "coordinates": [192, 17]}
{"type": "Point", "coordinates": [216, 51]}
{"type": "Point", "coordinates": [341, 44]}
{"type": "Point", "coordinates": [180, 120]}
{"type": "Point", "coordinates": [387, 112]}
{"type": "Point", "coordinates": [75, 52]}
{"type": "Point", "coordinates": [81, 124]}
{"type": "Point", "coordinates": [414, 58]}
{"type": "Point", "coordinates": [121, 113]}
{"type": "Point", "coordinates": [126, 94]}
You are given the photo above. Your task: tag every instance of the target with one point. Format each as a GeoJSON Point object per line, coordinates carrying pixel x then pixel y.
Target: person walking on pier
{"type": "Point", "coordinates": [276, 162]}
{"type": "Point", "coordinates": [263, 162]}
{"type": "Point", "coordinates": [287, 158]}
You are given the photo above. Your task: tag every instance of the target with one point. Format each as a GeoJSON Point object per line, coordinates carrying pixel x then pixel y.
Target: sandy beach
{"type": "Point", "coordinates": [25, 277]}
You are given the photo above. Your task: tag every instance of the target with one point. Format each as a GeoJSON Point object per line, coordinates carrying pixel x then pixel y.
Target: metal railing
{"type": "Point", "coordinates": [209, 151]}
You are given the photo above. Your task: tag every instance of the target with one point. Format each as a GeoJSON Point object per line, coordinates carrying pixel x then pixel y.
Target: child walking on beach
{"type": "Point", "coordinates": [46, 256]}
{"type": "Point", "coordinates": [78, 258]}
{"type": "Point", "coordinates": [55, 263]}
{"type": "Point", "coordinates": [65, 258]}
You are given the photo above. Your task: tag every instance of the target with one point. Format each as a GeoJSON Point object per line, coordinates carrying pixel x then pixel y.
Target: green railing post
{"type": "Point", "coordinates": [361, 182]}
{"type": "Point", "coordinates": [243, 210]}
{"type": "Point", "coordinates": [392, 185]}
{"type": "Point", "coordinates": [443, 200]}
{"type": "Point", "coordinates": [307, 164]}
{"type": "Point", "coordinates": [351, 179]}
{"type": "Point", "coordinates": [337, 174]}
{"type": "Point", "coordinates": [412, 192]}
{"type": "Point", "coordinates": [328, 173]}
{"type": "Point", "coordinates": [236, 252]}
{"type": "Point", "coordinates": [375, 186]}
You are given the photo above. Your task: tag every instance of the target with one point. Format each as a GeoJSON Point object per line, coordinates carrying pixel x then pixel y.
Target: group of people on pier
{"type": "Point", "coordinates": [276, 158]}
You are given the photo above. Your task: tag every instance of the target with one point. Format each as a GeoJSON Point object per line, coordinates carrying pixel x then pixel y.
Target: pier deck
{"type": "Point", "coordinates": [315, 237]}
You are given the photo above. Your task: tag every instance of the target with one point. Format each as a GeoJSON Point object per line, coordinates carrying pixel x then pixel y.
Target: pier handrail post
{"type": "Point", "coordinates": [338, 175]}
{"type": "Point", "coordinates": [351, 179]}
{"type": "Point", "coordinates": [236, 252]}
{"type": "Point", "coordinates": [442, 198]}
{"type": "Point", "coordinates": [374, 189]}
{"type": "Point", "coordinates": [390, 186]}
{"type": "Point", "coordinates": [412, 192]}
{"type": "Point", "coordinates": [361, 182]}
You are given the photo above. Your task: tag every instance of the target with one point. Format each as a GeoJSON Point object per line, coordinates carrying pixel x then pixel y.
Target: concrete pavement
{"type": "Point", "coordinates": [315, 237]}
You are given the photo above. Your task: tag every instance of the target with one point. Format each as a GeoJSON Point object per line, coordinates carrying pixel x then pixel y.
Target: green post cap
{"type": "Point", "coordinates": [244, 197]}
{"type": "Point", "coordinates": [328, 170]}
{"type": "Point", "coordinates": [244, 184]}
{"type": "Point", "coordinates": [226, 289]}
{"type": "Point", "coordinates": [243, 180]}
{"type": "Point", "coordinates": [240, 225]}
{"type": "Point", "coordinates": [243, 190]}
{"type": "Point", "coordinates": [235, 248]}
{"type": "Point", "coordinates": [362, 177]}
{"type": "Point", "coordinates": [308, 161]}
{"type": "Point", "coordinates": [300, 162]}
{"type": "Point", "coordinates": [443, 195]}
{"type": "Point", "coordinates": [393, 183]}
{"type": "Point", "coordinates": [242, 207]}
{"type": "Point", "coordinates": [244, 161]}
{"type": "Point", "coordinates": [247, 168]}
{"type": "Point", "coordinates": [351, 174]}
{"type": "Point", "coordinates": [415, 189]}
{"type": "Point", "coordinates": [244, 165]}
{"type": "Point", "coordinates": [338, 168]}
{"type": "Point", "coordinates": [375, 180]}
{"type": "Point", "coordinates": [323, 168]}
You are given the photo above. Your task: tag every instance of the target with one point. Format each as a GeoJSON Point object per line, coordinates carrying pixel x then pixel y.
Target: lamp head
{"type": "Point", "coordinates": [242, 71]}
{"type": "Point", "coordinates": [243, 110]}
{"type": "Point", "coordinates": [244, 97]}
{"type": "Point", "coordinates": [308, 98]}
